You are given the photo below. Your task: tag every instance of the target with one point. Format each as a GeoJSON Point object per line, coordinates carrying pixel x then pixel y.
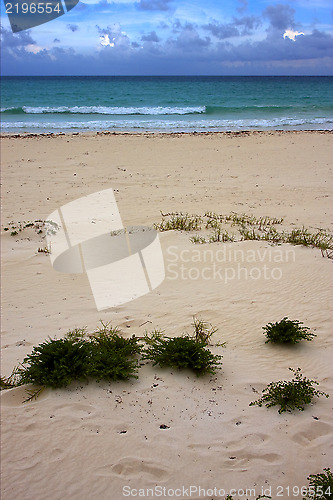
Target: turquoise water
{"type": "Point", "coordinates": [166, 104]}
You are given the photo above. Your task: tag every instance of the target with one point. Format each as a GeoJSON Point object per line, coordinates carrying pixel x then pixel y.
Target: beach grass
{"type": "Point", "coordinates": [242, 227]}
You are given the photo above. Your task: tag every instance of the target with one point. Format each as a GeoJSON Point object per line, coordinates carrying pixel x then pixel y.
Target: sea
{"type": "Point", "coordinates": [165, 104]}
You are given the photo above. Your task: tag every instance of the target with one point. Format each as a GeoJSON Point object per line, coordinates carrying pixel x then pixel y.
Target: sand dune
{"type": "Point", "coordinates": [170, 434]}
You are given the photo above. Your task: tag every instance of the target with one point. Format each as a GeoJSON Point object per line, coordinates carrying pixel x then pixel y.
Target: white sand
{"type": "Point", "coordinates": [70, 443]}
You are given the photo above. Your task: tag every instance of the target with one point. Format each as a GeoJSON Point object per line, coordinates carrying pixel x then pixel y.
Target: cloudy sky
{"type": "Point", "coordinates": [176, 37]}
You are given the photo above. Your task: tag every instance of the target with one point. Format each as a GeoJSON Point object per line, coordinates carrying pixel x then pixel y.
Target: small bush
{"type": "Point", "coordinates": [181, 352]}
{"type": "Point", "coordinates": [112, 356]}
{"type": "Point", "coordinates": [287, 331]}
{"type": "Point", "coordinates": [55, 363]}
{"type": "Point", "coordinates": [105, 355]}
{"type": "Point", "coordinates": [320, 486]}
{"type": "Point", "coordinates": [289, 395]}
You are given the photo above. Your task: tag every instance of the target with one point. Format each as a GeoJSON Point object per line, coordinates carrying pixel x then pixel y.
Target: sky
{"type": "Point", "coordinates": [175, 37]}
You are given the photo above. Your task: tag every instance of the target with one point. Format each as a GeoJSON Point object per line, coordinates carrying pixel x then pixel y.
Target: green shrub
{"type": "Point", "coordinates": [181, 352]}
{"type": "Point", "coordinates": [287, 331]}
{"type": "Point", "coordinates": [55, 363]}
{"type": "Point", "coordinates": [320, 486]}
{"type": "Point", "coordinates": [105, 355]}
{"type": "Point", "coordinates": [289, 395]}
{"type": "Point", "coordinates": [112, 356]}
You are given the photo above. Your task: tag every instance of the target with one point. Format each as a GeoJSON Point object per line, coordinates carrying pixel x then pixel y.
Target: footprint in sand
{"type": "Point", "coordinates": [312, 433]}
{"type": "Point", "coordinates": [132, 467]}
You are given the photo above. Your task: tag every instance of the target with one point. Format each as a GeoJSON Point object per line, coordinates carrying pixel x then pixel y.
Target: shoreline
{"type": "Point", "coordinates": [237, 133]}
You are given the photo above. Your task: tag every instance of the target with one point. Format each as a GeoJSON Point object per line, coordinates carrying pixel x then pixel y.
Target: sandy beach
{"type": "Point", "coordinates": [105, 441]}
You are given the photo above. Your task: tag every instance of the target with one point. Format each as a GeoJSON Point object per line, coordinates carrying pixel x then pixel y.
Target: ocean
{"type": "Point", "coordinates": [165, 104]}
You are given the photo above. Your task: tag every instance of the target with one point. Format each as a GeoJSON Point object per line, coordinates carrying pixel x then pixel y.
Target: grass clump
{"type": "Point", "coordinates": [287, 331]}
{"type": "Point", "coordinates": [320, 486]}
{"type": "Point", "coordinates": [249, 234]}
{"type": "Point", "coordinates": [302, 236]}
{"type": "Point", "coordinates": [198, 239]}
{"type": "Point", "coordinates": [220, 235]}
{"type": "Point", "coordinates": [181, 352]}
{"type": "Point", "coordinates": [179, 221]}
{"type": "Point", "coordinates": [289, 395]}
{"type": "Point", "coordinates": [242, 220]}
{"type": "Point", "coordinates": [202, 330]}
{"type": "Point", "coordinates": [248, 227]}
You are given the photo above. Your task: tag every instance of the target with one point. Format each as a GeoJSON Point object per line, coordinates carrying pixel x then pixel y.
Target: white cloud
{"type": "Point", "coordinates": [105, 41]}
{"type": "Point", "coordinates": [292, 34]}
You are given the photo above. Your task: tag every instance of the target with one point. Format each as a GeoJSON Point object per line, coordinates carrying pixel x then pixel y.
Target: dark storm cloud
{"type": "Point", "coordinates": [247, 24]}
{"type": "Point", "coordinates": [10, 40]}
{"type": "Point", "coordinates": [318, 45]}
{"type": "Point", "coordinates": [222, 31]}
{"type": "Point", "coordinates": [281, 16]}
{"type": "Point", "coordinates": [188, 39]}
{"type": "Point", "coordinates": [150, 37]}
{"type": "Point", "coordinates": [239, 27]}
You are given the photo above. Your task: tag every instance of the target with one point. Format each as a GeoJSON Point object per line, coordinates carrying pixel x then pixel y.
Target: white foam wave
{"type": "Point", "coordinates": [183, 125]}
{"type": "Point", "coordinates": [117, 110]}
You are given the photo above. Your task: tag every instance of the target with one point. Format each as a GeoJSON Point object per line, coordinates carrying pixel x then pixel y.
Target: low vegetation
{"type": "Point", "coordinates": [107, 355]}
{"type": "Point", "coordinates": [182, 353]}
{"type": "Point", "coordinates": [245, 227]}
{"type": "Point", "coordinates": [178, 221]}
{"type": "Point", "coordinates": [290, 395]}
{"type": "Point", "coordinates": [320, 486]}
{"type": "Point", "coordinates": [113, 357]}
{"type": "Point", "coordinates": [287, 331]}
{"type": "Point", "coordinates": [56, 363]}
{"type": "Point", "coordinates": [203, 331]}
